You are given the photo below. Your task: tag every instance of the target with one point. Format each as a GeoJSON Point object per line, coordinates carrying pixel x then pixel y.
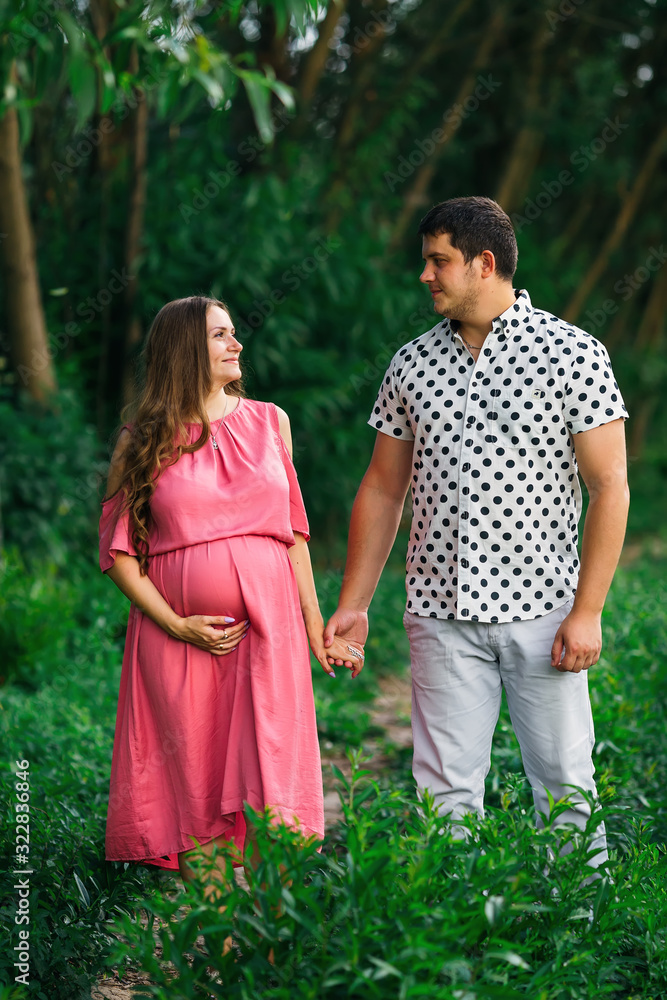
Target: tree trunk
{"type": "Point", "coordinates": [530, 137]}
{"type": "Point", "coordinates": [625, 216]}
{"type": "Point", "coordinates": [31, 353]}
{"type": "Point", "coordinates": [651, 328]}
{"type": "Point", "coordinates": [573, 228]}
{"type": "Point", "coordinates": [272, 48]}
{"type": "Point", "coordinates": [437, 45]}
{"type": "Point", "coordinates": [316, 60]}
{"type": "Point", "coordinates": [416, 195]}
{"type": "Point", "coordinates": [617, 333]}
{"type": "Point", "coordinates": [639, 425]}
{"type": "Point", "coordinates": [102, 16]}
{"type": "Point", "coordinates": [133, 242]}
{"type": "Point", "coordinates": [367, 63]}
{"type": "Point", "coordinates": [649, 338]}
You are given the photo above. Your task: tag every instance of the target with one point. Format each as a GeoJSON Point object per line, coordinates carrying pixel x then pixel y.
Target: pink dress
{"type": "Point", "coordinates": [198, 735]}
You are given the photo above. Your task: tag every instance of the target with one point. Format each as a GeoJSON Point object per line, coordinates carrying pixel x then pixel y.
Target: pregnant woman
{"type": "Point", "coordinates": [204, 530]}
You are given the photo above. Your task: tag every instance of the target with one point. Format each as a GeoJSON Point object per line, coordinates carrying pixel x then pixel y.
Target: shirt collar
{"type": "Point", "coordinates": [519, 312]}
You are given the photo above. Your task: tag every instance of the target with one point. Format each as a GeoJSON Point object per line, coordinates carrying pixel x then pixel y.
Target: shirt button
{"type": "Point", "coordinates": [463, 563]}
{"type": "Point", "coordinates": [465, 467]}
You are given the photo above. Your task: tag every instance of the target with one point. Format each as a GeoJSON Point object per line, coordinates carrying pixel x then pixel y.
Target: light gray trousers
{"type": "Point", "coordinates": [459, 670]}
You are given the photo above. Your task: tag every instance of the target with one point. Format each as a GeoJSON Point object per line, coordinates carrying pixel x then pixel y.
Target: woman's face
{"type": "Point", "coordinates": [223, 347]}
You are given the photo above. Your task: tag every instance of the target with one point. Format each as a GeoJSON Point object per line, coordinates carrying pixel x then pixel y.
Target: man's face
{"type": "Point", "coordinates": [453, 284]}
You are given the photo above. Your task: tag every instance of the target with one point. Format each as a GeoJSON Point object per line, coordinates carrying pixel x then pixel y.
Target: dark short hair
{"type": "Point", "coordinates": [474, 225]}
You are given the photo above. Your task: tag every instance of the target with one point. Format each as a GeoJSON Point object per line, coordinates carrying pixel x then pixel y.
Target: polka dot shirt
{"type": "Point", "coordinates": [495, 490]}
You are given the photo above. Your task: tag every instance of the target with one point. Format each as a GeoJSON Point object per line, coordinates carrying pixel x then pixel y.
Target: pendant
{"type": "Point", "coordinates": [215, 443]}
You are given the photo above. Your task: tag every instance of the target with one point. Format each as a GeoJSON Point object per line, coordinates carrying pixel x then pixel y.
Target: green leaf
{"type": "Point", "coordinates": [212, 86]}
{"type": "Point", "coordinates": [259, 93]}
{"type": "Point", "coordinates": [83, 892]}
{"type": "Point", "coordinates": [337, 773]}
{"type": "Point", "coordinates": [83, 84]}
{"type": "Point", "coordinates": [509, 956]}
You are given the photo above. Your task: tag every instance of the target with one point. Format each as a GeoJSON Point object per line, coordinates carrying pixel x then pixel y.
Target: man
{"type": "Point", "coordinates": [488, 415]}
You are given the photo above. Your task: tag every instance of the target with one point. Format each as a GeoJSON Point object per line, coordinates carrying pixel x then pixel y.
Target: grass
{"type": "Point", "coordinates": [398, 909]}
{"type": "Point", "coordinates": [392, 907]}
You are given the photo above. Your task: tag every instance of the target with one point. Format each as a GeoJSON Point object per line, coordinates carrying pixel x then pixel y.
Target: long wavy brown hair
{"type": "Point", "coordinates": [177, 379]}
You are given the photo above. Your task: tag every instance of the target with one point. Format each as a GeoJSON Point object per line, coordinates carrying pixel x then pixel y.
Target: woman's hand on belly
{"type": "Point", "coordinates": [212, 633]}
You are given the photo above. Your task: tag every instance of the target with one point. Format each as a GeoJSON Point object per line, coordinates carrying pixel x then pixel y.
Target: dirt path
{"type": "Point", "coordinates": [391, 713]}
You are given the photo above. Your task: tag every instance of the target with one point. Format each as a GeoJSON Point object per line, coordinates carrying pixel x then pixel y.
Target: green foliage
{"type": "Point", "coordinates": [401, 909]}
{"type": "Point", "coordinates": [244, 179]}
{"type": "Point", "coordinates": [391, 907]}
{"type": "Point", "coordinates": [65, 731]}
{"type": "Point", "coordinates": [343, 705]}
{"type": "Point", "coordinates": [52, 474]}
{"type": "Point", "coordinates": [55, 624]}
{"type": "Point", "coordinates": [147, 46]}
{"type": "Point", "coordinates": [292, 227]}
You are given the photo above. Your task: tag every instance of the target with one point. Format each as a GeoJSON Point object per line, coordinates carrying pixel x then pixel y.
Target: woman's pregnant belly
{"type": "Point", "coordinates": [200, 580]}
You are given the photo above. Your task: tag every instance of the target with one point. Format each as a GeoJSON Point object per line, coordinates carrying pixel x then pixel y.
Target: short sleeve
{"type": "Point", "coordinates": [389, 415]}
{"type": "Point", "coordinates": [297, 509]}
{"type": "Point", "coordinates": [114, 531]}
{"type": "Point", "coordinates": [592, 395]}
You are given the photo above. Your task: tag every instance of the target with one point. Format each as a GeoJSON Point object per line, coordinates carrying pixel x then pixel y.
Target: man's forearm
{"type": "Point", "coordinates": [604, 531]}
{"type": "Point", "coordinates": [376, 516]}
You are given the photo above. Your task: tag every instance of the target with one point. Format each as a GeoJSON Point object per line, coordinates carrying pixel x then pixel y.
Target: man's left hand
{"type": "Point", "coordinates": [578, 642]}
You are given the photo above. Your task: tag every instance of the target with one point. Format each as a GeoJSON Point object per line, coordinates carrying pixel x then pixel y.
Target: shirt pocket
{"type": "Point", "coordinates": [527, 418]}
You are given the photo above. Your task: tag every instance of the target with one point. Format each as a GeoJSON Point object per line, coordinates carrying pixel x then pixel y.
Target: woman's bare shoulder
{"type": "Point", "coordinates": [285, 428]}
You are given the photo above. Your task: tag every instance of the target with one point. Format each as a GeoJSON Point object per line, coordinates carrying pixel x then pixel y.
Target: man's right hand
{"type": "Point", "coordinates": [352, 627]}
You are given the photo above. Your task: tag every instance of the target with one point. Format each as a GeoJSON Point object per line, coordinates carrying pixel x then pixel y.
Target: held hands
{"type": "Point", "coordinates": [315, 630]}
{"type": "Point", "coordinates": [346, 630]}
{"type": "Point", "coordinates": [334, 649]}
{"type": "Point", "coordinates": [214, 633]}
{"type": "Point", "coordinates": [578, 642]}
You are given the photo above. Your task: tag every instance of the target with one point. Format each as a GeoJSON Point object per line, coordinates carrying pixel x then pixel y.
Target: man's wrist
{"type": "Point", "coordinates": [358, 604]}
{"type": "Point", "coordinates": [583, 607]}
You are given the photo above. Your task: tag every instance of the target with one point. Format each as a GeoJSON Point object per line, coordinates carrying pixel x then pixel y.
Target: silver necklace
{"type": "Point", "coordinates": [214, 436]}
{"type": "Point", "coordinates": [469, 346]}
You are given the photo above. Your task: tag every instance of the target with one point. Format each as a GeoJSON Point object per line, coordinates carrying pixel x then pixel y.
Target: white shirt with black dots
{"type": "Point", "coordinates": [495, 489]}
